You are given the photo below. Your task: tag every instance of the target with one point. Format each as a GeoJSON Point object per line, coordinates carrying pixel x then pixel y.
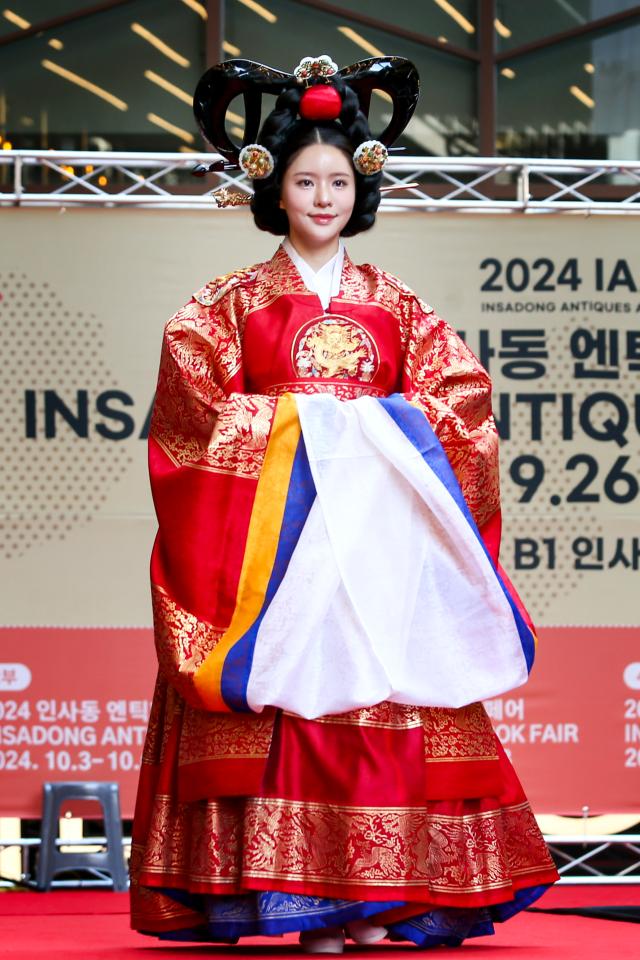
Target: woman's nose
{"type": "Point", "coordinates": [322, 197]}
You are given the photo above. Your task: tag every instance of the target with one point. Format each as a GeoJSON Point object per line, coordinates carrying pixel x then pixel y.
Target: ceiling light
{"type": "Point", "coordinates": [260, 10]}
{"type": "Point", "coordinates": [360, 41]}
{"type": "Point", "coordinates": [234, 117]}
{"type": "Point", "coordinates": [170, 127]}
{"type": "Point", "coordinates": [55, 43]}
{"type": "Point", "coordinates": [17, 20]}
{"type": "Point", "coordinates": [455, 14]}
{"type": "Point", "coordinates": [508, 73]}
{"type": "Point", "coordinates": [384, 95]}
{"type": "Point", "coordinates": [85, 84]}
{"type": "Point", "coordinates": [160, 45]}
{"type": "Point", "coordinates": [169, 87]}
{"type": "Point", "coordinates": [230, 48]}
{"type": "Point", "coordinates": [589, 67]}
{"type": "Point", "coordinates": [238, 132]}
{"type": "Point", "coordinates": [501, 29]}
{"type": "Point", "coordinates": [197, 7]}
{"type": "Point", "coordinates": [582, 96]}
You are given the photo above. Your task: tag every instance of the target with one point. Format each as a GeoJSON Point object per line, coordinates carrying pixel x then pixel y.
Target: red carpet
{"type": "Point", "coordinates": [94, 926]}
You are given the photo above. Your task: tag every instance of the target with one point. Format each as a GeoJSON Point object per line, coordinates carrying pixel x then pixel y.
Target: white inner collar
{"type": "Point", "coordinates": [325, 281]}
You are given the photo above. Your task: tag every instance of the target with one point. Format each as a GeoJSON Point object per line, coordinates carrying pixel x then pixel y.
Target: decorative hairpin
{"type": "Point", "coordinates": [256, 161]}
{"type": "Point", "coordinates": [311, 68]}
{"type": "Point", "coordinates": [370, 157]}
{"type": "Point", "coordinates": [231, 198]}
{"type": "Point", "coordinates": [399, 186]}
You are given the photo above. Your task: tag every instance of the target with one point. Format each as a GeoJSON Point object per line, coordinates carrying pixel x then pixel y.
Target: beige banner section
{"type": "Point", "coordinates": [549, 303]}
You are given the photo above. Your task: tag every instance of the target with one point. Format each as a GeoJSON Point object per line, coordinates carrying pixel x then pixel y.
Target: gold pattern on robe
{"type": "Point", "coordinates": [275, 278]}
{"type": "Point", "coordinates": [386, 846]}
{"type": "Point", "coordinates": [453, 391]}
{"type": "Point", "coordinates": [458, 734]}
{"type": "Point", "coordinates": [231, 843]}
{"type": "Point", "coordinates": [194, 843]}
{"type": "Point", "coordinates": [194, 421]}
{"type": "Point", "coordinates": [385, 715]}
{"type": "Point", "coordinates": [333, 346]}
{"type": "Point", "coordinates": [183, 641]}
{"type": "Point", "coordinates": [343, 390]}
{"type": "Point", "coordinates": [240, 436]}
{"type": "Point", "coordinates": [234, 736]}
{"type": "Point", "coordinates": [450, 734]}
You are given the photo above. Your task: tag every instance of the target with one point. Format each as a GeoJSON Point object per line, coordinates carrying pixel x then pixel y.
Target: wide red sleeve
{"type": "Point", "coordinates": [445, 380]}
{"type": "Point", "coordinates": [206, 447]}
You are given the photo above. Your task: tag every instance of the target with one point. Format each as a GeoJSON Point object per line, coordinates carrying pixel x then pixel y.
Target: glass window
{"type": "Point", "coordinates": [578, 100]}
{"type": "Point", "coordinates": [122, 79]}
{"type": "Point", "coordinates": [20, 14]}
{"type": "Point", "coordinates": [446, 118]}
{"type": "Point", "coordinates": [455, 20]}
{"type": "Point", "coordinates": [521, 23]}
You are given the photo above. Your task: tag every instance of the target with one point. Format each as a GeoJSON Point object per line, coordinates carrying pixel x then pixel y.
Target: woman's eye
{"type": "Point", "coordinates": [304, 183]}
{"type": "Point", "coordinates": [339, 183]}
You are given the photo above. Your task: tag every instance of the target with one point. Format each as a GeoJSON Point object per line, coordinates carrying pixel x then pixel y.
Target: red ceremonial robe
{"type": "Point", "coordinates": [418, 806]}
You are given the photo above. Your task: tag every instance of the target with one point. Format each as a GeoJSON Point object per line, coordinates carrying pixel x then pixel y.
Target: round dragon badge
{"type": "Point", "coordinates": [334, 347]}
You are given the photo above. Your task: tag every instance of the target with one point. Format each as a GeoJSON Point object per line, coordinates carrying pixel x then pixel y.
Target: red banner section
{"type": "Point", "coordinates": [573, 732]}
{"type": "Point", "coordinates": [74, 705]}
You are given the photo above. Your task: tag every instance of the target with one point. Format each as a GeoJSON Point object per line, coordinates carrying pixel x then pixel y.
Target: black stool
{"type": "Point", "coordinates": [52, 861]}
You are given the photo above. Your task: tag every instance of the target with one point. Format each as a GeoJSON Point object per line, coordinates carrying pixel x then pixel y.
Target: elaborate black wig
{"type": "Point", "coordinates": [284, 133]}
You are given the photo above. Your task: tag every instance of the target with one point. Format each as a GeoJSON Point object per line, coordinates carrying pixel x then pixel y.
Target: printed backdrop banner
{"type": "Point", "coordinates": [551, 307]}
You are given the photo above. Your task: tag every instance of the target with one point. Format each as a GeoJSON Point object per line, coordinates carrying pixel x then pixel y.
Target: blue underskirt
{"type": "Point", "coordinates": [270, 913]}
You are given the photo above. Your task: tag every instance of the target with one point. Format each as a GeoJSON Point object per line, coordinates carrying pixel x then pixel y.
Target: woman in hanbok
{"type": "Point", "coordinates": [328, 604]}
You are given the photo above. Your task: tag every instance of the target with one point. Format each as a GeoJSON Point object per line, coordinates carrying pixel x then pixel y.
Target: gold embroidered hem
{"type": "Point", "coordinates": [343, 391]}
{"type": "Point", "coordinates": [343, 851]}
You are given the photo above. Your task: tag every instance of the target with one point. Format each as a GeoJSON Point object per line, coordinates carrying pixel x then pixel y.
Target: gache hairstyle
{"type": "Point", "coordinates": [284, 134]}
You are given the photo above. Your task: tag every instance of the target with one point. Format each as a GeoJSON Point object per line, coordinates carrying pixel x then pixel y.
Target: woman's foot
{"type": "Point", "coordinates": [324, 940]}
{"type": "Point", "coordinates": [363, 931]}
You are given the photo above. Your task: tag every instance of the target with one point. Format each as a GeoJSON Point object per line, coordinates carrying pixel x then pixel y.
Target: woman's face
{"type": "Point", "coordinates": [318, 194]}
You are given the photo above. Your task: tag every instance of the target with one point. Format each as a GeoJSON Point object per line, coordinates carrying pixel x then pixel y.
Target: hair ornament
{"type": "Point", "coordinates": [370, 157]}
{"type": "Point", "coordinates": [256, 161]}
{"type": "Point", "coordinates": [250, 81]}
{"type": "Point", "coordinates": [312, 68]}
{"type": "Point", "coordinates": [231, 198]}
{"type": "Point", "coordinates": [320, 102]}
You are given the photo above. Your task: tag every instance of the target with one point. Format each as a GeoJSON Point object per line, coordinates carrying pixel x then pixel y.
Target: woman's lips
{"type": "Point", "coordinates": [322, 217]}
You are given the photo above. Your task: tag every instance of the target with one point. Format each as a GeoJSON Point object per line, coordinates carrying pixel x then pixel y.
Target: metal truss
{"type": "Point", "coordinates": [609, 858]}
{"type": "Point", "coordinates": [96, 878]}
{"type": "Point", "coordinates": [51, 178]}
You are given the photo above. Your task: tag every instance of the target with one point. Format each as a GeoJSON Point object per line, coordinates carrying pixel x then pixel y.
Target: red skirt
{"type": "Point", "coordinates": [391, 803]}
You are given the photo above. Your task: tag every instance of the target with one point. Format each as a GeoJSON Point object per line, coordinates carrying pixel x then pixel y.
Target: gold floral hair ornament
{"type": "Point", "coordinates": [311, 68]}
{"type": "Point", "coordinates": [231, 198]}
{"type": "Point", "coordinates": [370, 157]}
{"type": "Point", "coordinates": [256, 161]}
